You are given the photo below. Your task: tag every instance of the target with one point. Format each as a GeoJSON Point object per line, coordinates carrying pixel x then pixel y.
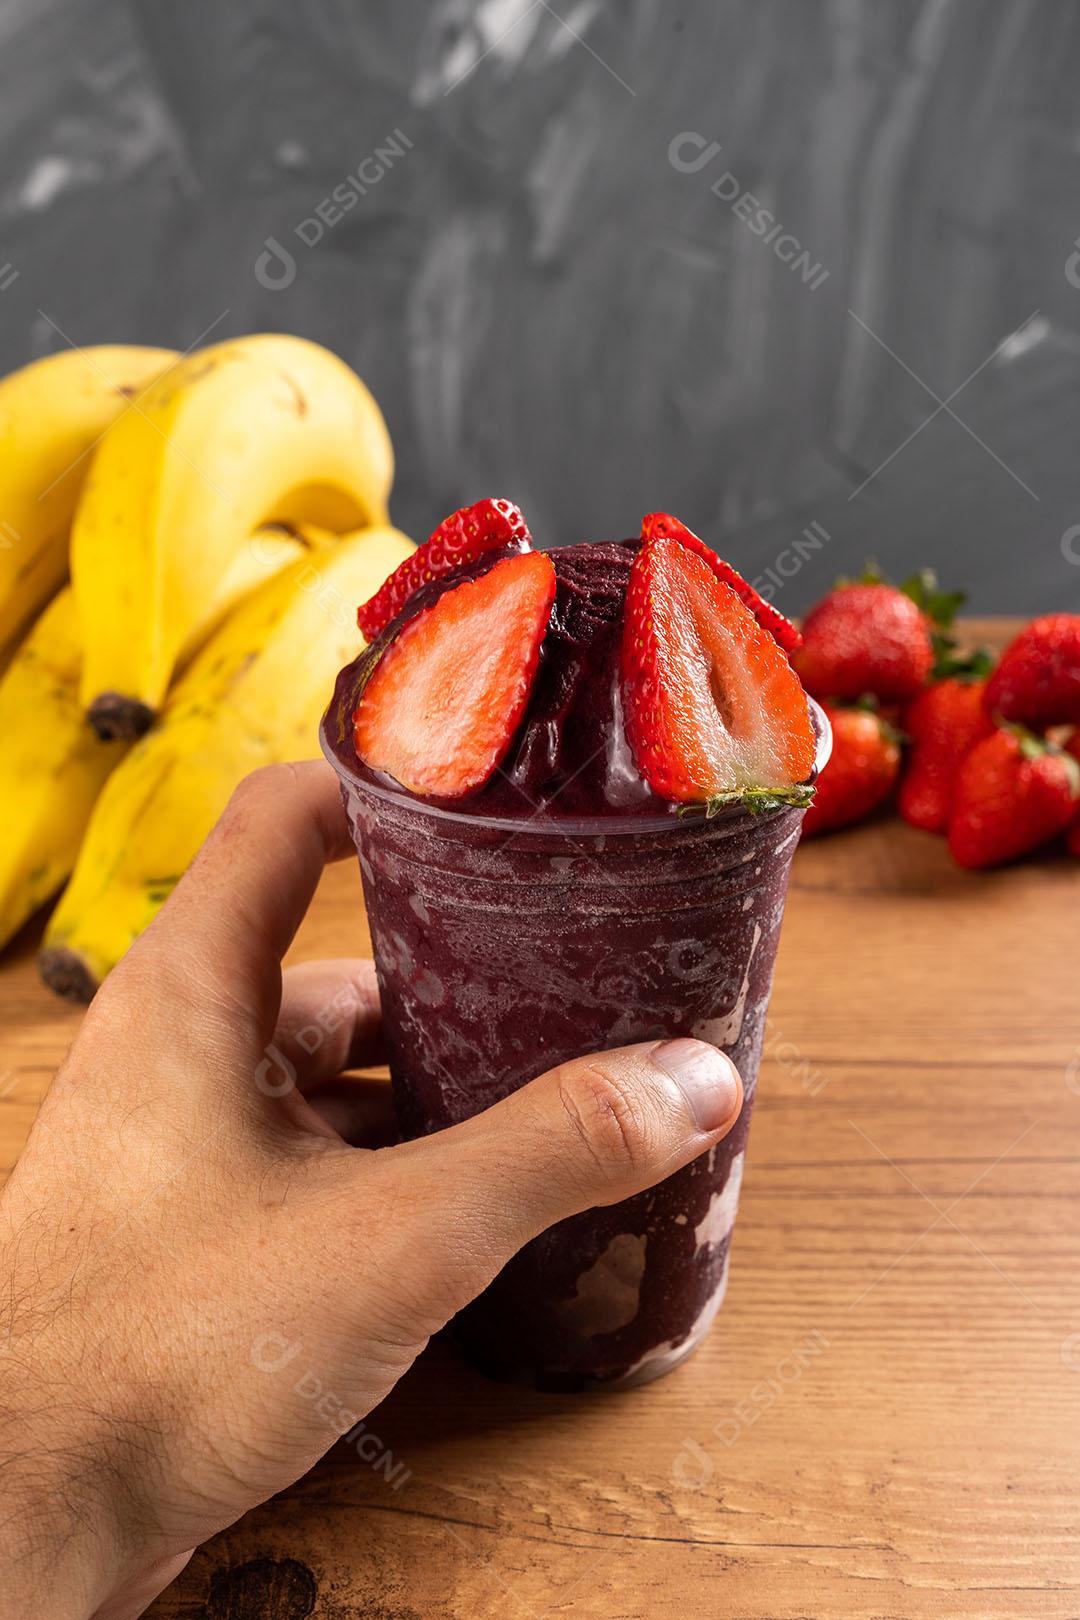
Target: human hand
{"type": "Point", "coordinates": [176, 1204]}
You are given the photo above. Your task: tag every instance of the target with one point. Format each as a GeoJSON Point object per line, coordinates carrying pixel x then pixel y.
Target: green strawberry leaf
{"type": "Point", "coordinates": [1035, 747]}
{"type": "Point", "coordinates": [940, 607]}
{"type": "Point", "coordinates": [952, 665]}
{"type": "Point", "coordinates": [871, 575]}
{"type": "Point", "coordinates": [1032, 746]}
{"type": "Point", "coordinates": [758, 801]}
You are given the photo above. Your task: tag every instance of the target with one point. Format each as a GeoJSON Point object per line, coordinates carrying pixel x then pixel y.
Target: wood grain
{"type": "Point", "coordinates": [885, 1420]}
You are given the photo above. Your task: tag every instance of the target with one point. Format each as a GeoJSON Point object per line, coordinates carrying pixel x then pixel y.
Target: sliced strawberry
{"type": "Point", "coordinates": [662, 523]}
{"type": "Point", "coordinates": [448, 694]}
{"type": "Point", "coordinates": [461, 538]}
{"type": "Point", "coordinates": [714, 711]}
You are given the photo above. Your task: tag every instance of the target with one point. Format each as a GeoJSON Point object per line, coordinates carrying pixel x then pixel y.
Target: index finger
{"type": "Point", "coordinates": [233, 915]}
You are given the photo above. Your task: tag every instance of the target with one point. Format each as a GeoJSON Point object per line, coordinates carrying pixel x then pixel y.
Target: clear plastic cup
{"type": "Point", "coordinates": [504, 947]}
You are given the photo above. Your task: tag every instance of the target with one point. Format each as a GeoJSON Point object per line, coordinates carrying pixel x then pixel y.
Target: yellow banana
{"type": "Point", "coordinates": [51, 415]}
{"type": "Point", "coordinates": [52, 766]}
{"type": "Point", "coordinates": [266, 554]}
{"type": "Point", "coordinates": [255, 430]}
{"type": "Point", "coordinates": [252, 696]}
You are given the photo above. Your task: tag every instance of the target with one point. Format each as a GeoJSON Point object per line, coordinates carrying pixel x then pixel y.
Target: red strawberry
{"type": "Point", "coordinates": [864, 640]}
{"type": "Point", "coordinates": [448, 694]}
{"type": "Point", "coordinates": [1013, 793]}
{"type": "Point", "coordinates": [943, 725]}
{"type": "Point", "coordinates": [1038, 679]}
{"type": "Point", "coordinates": [1072, 836]}
{"type": "Point", "coordinates": [662, 523]}
{"type": "Point", "coordinates": [461, 538]}
{"type": "Point", "coordinates": [714, 711]}
{"type": "Point", "coordinates": [861, 773]}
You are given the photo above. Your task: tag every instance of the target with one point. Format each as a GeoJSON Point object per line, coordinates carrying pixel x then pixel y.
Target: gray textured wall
{"type": "Point", "coordinates": [552, 301]}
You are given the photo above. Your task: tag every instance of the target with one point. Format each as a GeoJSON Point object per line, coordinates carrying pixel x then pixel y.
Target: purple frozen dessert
{"type": "Point", "coordinates": [565, 904]}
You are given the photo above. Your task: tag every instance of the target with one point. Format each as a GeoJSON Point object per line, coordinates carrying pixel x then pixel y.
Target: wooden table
{"type": "Point", "coordinates": [885, 1420]}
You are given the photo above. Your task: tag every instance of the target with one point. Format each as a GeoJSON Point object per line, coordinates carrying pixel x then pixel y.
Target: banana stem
{"type": "Point", "coordinates": [118, 718]}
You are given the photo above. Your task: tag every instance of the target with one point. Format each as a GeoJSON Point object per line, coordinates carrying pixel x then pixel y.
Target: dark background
{"type": "Point", "coordinates": [548, 308]}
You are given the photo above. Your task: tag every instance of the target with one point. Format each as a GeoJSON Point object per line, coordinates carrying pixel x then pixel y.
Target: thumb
{"type": "Point", "coordinates": [592, 1131]}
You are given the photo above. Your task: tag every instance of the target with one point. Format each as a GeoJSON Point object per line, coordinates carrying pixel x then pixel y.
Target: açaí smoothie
{"type": "Point", "coordinates": [565, 907]}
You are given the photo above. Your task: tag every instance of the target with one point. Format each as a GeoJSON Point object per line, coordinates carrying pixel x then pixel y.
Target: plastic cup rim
{"type": "Point", "coordinates": [543, 824]}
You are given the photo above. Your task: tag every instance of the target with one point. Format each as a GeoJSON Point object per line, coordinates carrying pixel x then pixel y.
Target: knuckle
{"type": "Point", "coordinates": [264, 781]}
{"type": "Point", "coordinates": [268, 786]}
{"type": "Point", "coordinates": [252, 794]}
{"type": "Point", "coordinates": [411, 1288]}
{"type": "Point", "coordinates": [607, 1118]}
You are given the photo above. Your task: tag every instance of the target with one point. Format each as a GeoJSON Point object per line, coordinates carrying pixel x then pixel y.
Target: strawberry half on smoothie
{"type": "Point", "coordinates": [576, 779]}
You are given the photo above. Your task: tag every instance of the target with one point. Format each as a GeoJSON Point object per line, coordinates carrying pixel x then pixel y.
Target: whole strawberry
{"type": "Point", "coordinates": [861, 772]}
{"type": "Point", "coordinates": [867, 639]}
{"type": "Point", "coordinates": [1037, 682]}
{"type": "Point", "coordinates": [1013, 793]}
{"type": "Point", "coordinates": [943, 725]}
{"type": "Point", "coordinates": [1072, 836]}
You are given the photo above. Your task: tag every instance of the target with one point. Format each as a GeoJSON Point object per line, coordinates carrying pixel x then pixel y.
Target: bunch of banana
{"type": "Point", "coordinates": [175, 488]}
{"type": "Point", "coordinates": [52, 414]}
{"type": "Point", "coordinates": [250, 697]}
{"type": "Point", "coordinates": [257, 430]}
{"type": "Point", "coordinates": [52, 764]}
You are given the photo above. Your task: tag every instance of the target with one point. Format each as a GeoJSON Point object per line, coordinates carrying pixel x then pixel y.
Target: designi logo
{"type": "Point", "coordinates": [275, 268]}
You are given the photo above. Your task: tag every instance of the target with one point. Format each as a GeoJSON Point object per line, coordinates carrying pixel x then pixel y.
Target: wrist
{"type": "Point", "coordinates": [51, 1549]}
{"type": "Point", "coordinates": [69, 1468]}
{"type": "Point", "coordinates": [62, 1481]}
